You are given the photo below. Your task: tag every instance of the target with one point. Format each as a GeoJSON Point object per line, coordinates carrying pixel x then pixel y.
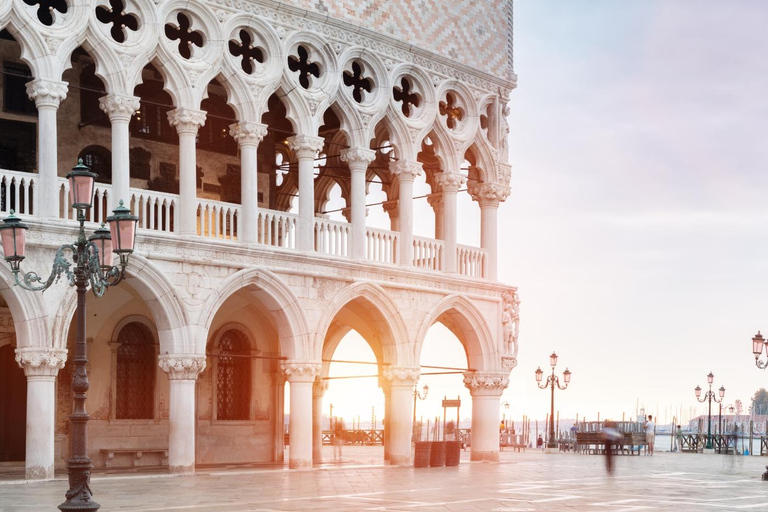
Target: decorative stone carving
{"type": "Point", "coordinates": [182, 367]}
{"type": "Point", "coordinates": [357, 158]}
{"type": "Point", "coordinates": [392, 207]}
{"type": "Point", "coordinates": [508, 363]}
{"type": "Point", "coordinates": [319, 388]}
{"type": "Point", "coordinates": [306, 146]}
{"type": "Point", "coordinates": [489, 194]}
{"type": "Point", "coordinates": [505, 174]}
{"type": "Point", "coordinates": [301, 371]}
{"type": "Point", "coordinates": [186, 120]}
{"type": "Point", "coordinates": [449, 181]}
{"type": "Point", "coordinates": [46, 93]}
{"type": "Point", "coordinates": [405, 170]}
{"type": "Point", "coordinates": [402, 375]}
{"type": "Point", "coordinates": [510, 320]}
{"type": "Point", "coordinates": [486, 384]}
{"type": "Point", "coordinates": [119, 107]}
{"type": "Point", "coordinates": [436, 202]}
{"type": "Point", "coordinates": [41, 362]}
{"type": "Point", "coordinates": [248, 134]}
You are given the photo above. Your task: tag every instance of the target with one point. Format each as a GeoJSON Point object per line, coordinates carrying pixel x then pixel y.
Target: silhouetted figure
{"type": "Point", "coordinates": [611, 436]}
{"type": "Point", "coordinates": [539, 442]}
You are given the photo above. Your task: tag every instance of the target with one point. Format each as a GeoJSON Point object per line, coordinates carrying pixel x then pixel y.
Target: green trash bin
{"type": "Point", "coordinates": [437, 457]}
{"type": "Point", "coordinates": [452, 453]}
{"type": "Point", "coordinates": [422, 454]}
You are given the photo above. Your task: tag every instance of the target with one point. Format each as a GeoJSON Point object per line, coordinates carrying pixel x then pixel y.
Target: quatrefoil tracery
{"type": "Point", "coordinates": [304, 66]}
{"type": "Point", "coordinates": [120, 20]}
{"type": "Point", "coordinates": [186, 36]}
{"type": "Point", "coordinates": [245, 49]}
{"type": "Point", "coordinates": [405, 94]}
{"type": "Point", "coordinates": [358, 83]}
{"type": "Point", "coordinates": [45, 9]}
{"type": "Point", "coordinates": [449, 108]}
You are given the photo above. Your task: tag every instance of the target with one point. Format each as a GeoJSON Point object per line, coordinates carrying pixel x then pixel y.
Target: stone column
{"type": "Point", "coordinates": [47, 95]}
{"type": "Point", "coordinates": [182, 373]}
{"type": "Point", "coordinates": [392, 208]}
{"type": "Point", "coordinates": [187, 123]}
{"type": "Point", "coordinates": [120, 108]}
{"type": "Point", "coordinates": [450, 183]}
{"type": "Point", "coordinates": [301, 375]}
{"type": "Point", "coordinates": [406, 171]}
{"type": "Point", "coordinates": [488, 196]}
{"type": "Point", "coordinates": [435, 200]}
{"type": "Point", "coordinates": [318, 392]}
{"type": "Point", "coordinates": [358, 160]}
{"type": "Point", "coordinates": [41, 365]}
{"type": "Point", "coordinates": [486, 389]}
{"type": "Point", "coordinates": [306, 149]}
{"type": "Point", "coordinates": [402, 380]}
{"type": "Point", "coordinates": [248, 136]}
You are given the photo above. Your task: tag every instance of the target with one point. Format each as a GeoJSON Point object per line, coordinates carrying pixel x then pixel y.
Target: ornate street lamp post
{"type": "Point", "coordinates": [708, 397]}
{"type": "Point", "coordinates": [417, 394]}
{"type": "Point", "coordinates": [758, 344]}
{"type": "Point", "coordinates": [92, 258]}
{"type": "Point", "coordinates": [552, 381]}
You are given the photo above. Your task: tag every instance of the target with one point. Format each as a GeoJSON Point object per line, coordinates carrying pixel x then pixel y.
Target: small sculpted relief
{"type": "Point", "coordinates": [510, 320]}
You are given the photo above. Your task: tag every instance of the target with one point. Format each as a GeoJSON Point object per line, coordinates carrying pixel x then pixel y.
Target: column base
{"type": "Point", "coordinates": [39, 473]}
{"type": "Point", "coordinates": [399, 460]}
{"type": "Point", "coordinates": [182, 470]}
{"type": "Point", "coordinates": [299, 463]}
{"type": "Point", "coordinates": [485, 456]}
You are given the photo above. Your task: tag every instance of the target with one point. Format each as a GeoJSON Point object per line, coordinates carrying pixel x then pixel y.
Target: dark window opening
{"type": "Point", "coordinates": [99, 159]}
{"type": "Point", "coordinates": [15, 99]}
{"type": "Point", "coordinates": [135, 390]}
{"type": "Point", "coordinates": [91, 89]}
{"type": "Point", "coordinates": [214, 135]}
{"type": "Point", "coordinates": [233, 377]}
{"type": "Point", "coordinates": [151, 120]}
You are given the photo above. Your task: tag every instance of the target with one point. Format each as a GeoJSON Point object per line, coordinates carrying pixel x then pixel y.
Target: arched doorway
{"type": "Point", "coordinates": [13, 407]}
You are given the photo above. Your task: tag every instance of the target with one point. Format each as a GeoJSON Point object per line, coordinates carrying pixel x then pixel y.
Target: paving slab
{"type": "Point", "coordinates": [520, 482]}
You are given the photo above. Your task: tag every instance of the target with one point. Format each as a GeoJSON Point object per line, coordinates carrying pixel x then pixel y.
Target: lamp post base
{"type": "Point", "coordinates": [709, 450]}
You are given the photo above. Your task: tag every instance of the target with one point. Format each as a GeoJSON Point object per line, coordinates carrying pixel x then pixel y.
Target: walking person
{"type": "Point", "coordinates": [679, 439]}
{"type": "Point", "coordinates": [338, 439]}
{"type": "Point", "coordinates": [611, 436]}
{"type": "Point", "coordinates": [650, 434]}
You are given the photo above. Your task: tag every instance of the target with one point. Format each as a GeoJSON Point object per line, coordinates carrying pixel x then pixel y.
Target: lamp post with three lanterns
{"type": "Point", "coordinates": [92, 258]}
{"type": "Point", "coordinates": [709, 396]}
{"type": "Point", "coordinates": [552, 381]}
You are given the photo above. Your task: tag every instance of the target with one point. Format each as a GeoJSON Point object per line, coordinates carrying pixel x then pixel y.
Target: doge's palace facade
{"type": "Point", "coordinates": [225, 125]}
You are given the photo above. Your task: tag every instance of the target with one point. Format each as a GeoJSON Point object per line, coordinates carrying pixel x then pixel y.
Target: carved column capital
{"type": "Point", "coordinates": [357, 158]}
{"type": "Point", "coordinates": [450, 181]}
{"type": "Point", "coordinates": [402, 375]}
{"type": "Point", "coordinates": [486, 383]}
{"type": "Point", "coordinates": [306, 146]}
{"type": "Point", "coordinates": [41, 362]}
{"type": "Point", "coordinates": [186, 120]}
{"type": "Point", "coordinates": [405, 170]}
{"type": "Point", "coordinates": [248, 134]}
{"type": "Point", "coordinates": [319, 388]}
{"type": "Point", "coordinates": [392, 207]}
{"type": "Point", "coordinates": [182, 366]}
{"type": "Point", "coordinates": [301, 371]}
{"type": "Point", "coordinates": [119, 107]}
{"type": "Point", "coordinates": [47, 93]}
{"type": "Point", "coordinates": [489, 194]}
{"type": "Point", "coordinates": [436, 202]}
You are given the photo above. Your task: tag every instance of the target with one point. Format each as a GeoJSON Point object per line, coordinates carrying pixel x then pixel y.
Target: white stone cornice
{"type": "Point", "coordinates": [405, 170]}
{"type": "Point", "coordinates": [489, 194]}
{"type": "Point", "coordinates": [248, 134]}
{"type": "Point", "coordinates": [306, 146]}
{"type": "Point", "coordinates": [319, 388]}
{"type": "Point", "coordinates": [450, 181]}
{"type": "Point", "coordinates": [402, 375]}
{"type": "Point", "coordinates": [357, 158]}
{"type": "Point", "coordinates": [186, 120]}
{"type": "Point", "coordinates": [486, 383]}
{"type": "Point", "coordinates": [41, 362]}
{"type": "Point", "coordinates": [301, 371]}
{"type": "Point", "coordinates": [119, 107]}
{"type": "Point", "coordinates": [182, 366]}
{"type": "Point", "coordinates": [47, 93]}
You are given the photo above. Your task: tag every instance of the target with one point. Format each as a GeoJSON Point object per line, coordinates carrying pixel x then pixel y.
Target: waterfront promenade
{"type": "Point", "coordinates": [529, 481]}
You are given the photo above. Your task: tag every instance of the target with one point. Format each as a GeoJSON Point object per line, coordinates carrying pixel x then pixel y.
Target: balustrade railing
{"type": "Point", "coordinates": [277, 229]}
{"type": "Point", "coordinates": [17, 192]}
{"type": "Point", "coordinates": [470, 261]}
{"type": "Point", "coordinates": [382, 246]}
{"type": "Point", "coordinates": [428, 253]}
{"type": "Point", "coordinates": [156, 210]}
{"type": "Point", "coordinates": [216, 219]}
{"type": "Point", "coordinates": [332, 237]}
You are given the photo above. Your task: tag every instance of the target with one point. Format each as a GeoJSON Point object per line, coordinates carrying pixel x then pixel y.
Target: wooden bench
{"type": "Point", "coordinates": [136, 455]}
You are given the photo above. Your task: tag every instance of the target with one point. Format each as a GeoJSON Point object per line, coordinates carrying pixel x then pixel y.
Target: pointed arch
{"type": "Point", "coordinates": [30, 320]}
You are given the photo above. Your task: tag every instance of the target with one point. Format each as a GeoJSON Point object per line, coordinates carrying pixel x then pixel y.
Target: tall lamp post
{"type": "Point", "coordinates": [505, 405]}
{"type": "Point", "coordinates": [552, 381]}
{"type": "Point", "coordinates": [92, 258]}
{"type": "Point", "coordinates": [417, 394]}
{"type": "Point", "coordinates": [758, 344]}
{"type": "Point", "coordinates": [708, 397]}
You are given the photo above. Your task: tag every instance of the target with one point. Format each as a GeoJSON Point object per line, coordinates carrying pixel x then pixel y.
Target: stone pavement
{"type": "Point", "coordinates": [530, 481]}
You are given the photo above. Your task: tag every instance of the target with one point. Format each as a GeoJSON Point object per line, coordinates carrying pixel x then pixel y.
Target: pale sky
{"type": "Point", "coordinates": [636, 227]}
